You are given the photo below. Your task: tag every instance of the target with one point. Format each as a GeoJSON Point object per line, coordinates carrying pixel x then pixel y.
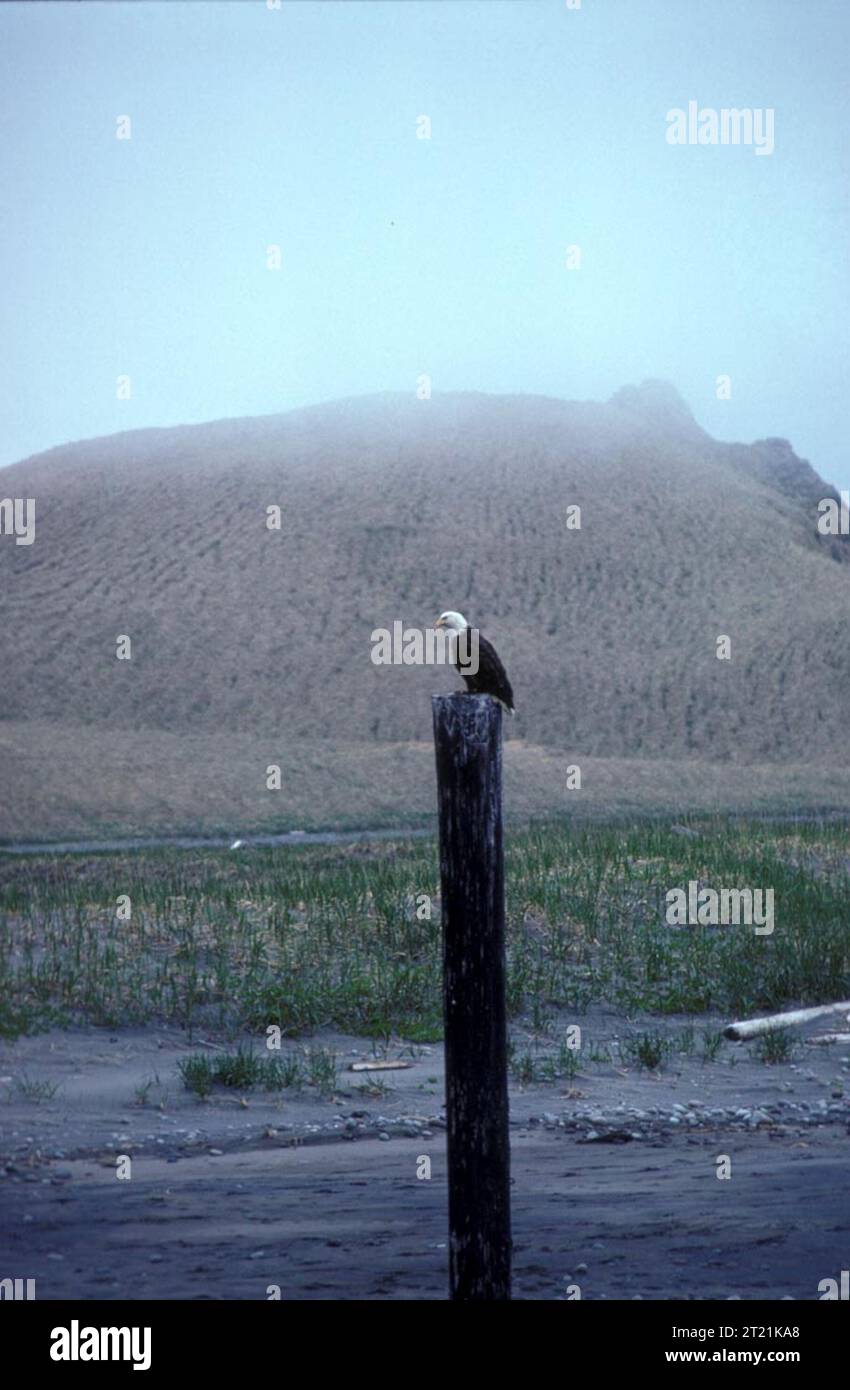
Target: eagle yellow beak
{"type": "Point", "coordinates": [438, 622]}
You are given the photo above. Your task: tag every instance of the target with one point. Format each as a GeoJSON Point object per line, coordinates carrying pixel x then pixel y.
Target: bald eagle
{"type": "Point", "coordinates": [490, 678]}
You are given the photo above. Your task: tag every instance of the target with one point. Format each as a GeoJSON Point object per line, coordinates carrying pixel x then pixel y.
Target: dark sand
{"type": "Point", "coordinates": [292, 1199]}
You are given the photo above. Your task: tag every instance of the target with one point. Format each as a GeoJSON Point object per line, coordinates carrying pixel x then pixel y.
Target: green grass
{"type": "Point", "coordinates": [777, 1045]}
{"type": "Point", "coordinates": [648, 1049]}
{"type": "Point", "coordinates": [541, 1065]}
{"type": "Point", "coordinates": [36, 1090]}
{"type": "Point", "coordinates": [375, 1089]}
{"type": "Point", "coordinates": [712, 1041]}
{"type": "Point", "coordinates": [246, 1069]}
{"type": "Point", "coordinates": [325, 936]}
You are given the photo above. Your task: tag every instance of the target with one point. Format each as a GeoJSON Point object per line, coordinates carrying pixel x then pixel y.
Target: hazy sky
{"type": "Point", "coordinates": [297, 127]}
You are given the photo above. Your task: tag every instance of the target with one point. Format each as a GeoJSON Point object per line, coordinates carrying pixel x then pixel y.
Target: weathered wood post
{"type": "Point", "coordinates": [468, 741]}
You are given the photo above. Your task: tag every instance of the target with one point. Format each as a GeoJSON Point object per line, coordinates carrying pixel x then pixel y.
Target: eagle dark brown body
{"type": "Point", "coordinates": [490, 677]}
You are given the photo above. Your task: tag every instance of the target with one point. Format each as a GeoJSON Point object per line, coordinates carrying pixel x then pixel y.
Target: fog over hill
{"type": "Point", "coordinates": [394, 509]}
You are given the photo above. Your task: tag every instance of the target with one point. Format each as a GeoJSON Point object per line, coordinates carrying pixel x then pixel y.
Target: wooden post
{"type": "Point", "coordinates": [468, 741]}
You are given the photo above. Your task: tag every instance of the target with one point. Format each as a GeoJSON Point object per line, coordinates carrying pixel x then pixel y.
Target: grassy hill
{"type": "Point", "coordinates": [253, 646]}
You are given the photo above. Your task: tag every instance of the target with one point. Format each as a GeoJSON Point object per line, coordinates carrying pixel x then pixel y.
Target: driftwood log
{"type": "Point", "coordinates": [750, 1028]}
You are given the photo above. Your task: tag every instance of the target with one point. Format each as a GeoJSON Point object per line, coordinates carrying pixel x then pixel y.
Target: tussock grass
{"type": "Point", "coordinates": [535, 1065]}
{"type": "Point", "coordinates": [36, 1090]}
{"type": "Point", "coordinates": [648, 1049]}
{"type": "Point", "coordinates": [246, 1069]}
{"type": "Point", "coordinates": [777, 1045]}
{"type": "Point", "coordinates": [311, 937]}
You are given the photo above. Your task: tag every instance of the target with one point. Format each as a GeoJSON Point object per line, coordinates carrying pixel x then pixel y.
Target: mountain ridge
{"type": "Point", "coordinates": [394, 508]}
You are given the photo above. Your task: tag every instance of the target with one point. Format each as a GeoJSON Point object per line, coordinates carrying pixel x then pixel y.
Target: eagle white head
{"type": "Point", "coordinates": [455, 622]}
